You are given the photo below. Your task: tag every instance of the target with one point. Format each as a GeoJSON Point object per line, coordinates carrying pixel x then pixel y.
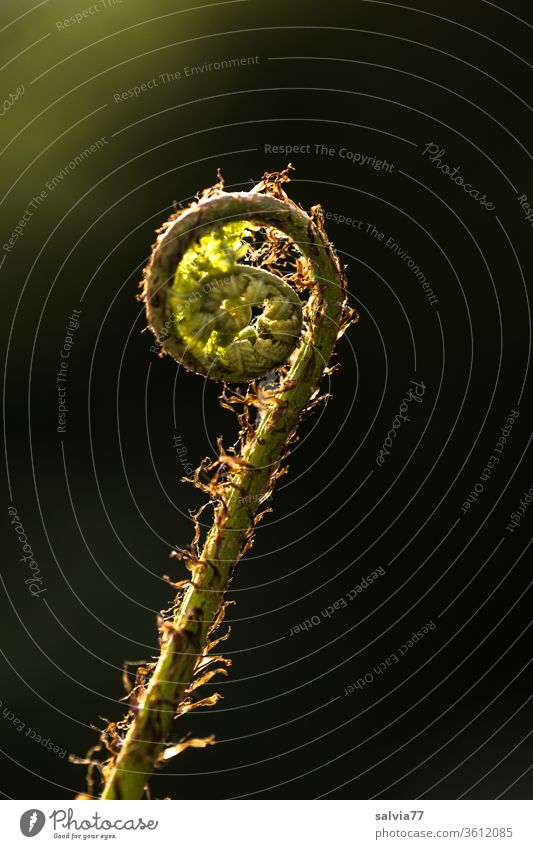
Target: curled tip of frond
{"type": "Point", "coordinates": [205, 278]}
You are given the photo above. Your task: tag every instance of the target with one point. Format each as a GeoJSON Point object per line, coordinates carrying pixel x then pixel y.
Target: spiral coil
{"type": "Point", "coordinates": [202, 300]}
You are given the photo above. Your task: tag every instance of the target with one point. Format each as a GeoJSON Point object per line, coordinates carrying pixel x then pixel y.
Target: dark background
{"type": "Point", "coordinates": [102, 504]}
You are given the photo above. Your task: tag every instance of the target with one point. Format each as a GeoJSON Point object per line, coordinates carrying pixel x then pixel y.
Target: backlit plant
{"type": "Point", "coordinates": [240, 286]}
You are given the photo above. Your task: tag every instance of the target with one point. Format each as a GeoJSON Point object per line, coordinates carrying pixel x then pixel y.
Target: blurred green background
{"type": "Point", "coordinates": [102, 504]}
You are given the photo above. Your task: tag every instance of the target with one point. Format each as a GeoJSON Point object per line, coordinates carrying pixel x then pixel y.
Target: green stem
{"type": "Point", "coordinates": [250, 480]}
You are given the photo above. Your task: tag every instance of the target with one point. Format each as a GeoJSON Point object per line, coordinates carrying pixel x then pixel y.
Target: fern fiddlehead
{"type": "Point", "coordinates": [201, 288]}
{"type": "Point", "coordinates": [209, 308]}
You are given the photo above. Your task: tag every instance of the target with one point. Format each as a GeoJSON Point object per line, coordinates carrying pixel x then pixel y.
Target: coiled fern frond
{"type": "Point", "coordinates": [209, 305]}
{"type": "Point", "coordinates": [223, 294]}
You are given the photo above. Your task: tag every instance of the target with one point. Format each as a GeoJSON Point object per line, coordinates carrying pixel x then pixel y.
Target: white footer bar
{"type": "Point", "coordinates": [269, 824]}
